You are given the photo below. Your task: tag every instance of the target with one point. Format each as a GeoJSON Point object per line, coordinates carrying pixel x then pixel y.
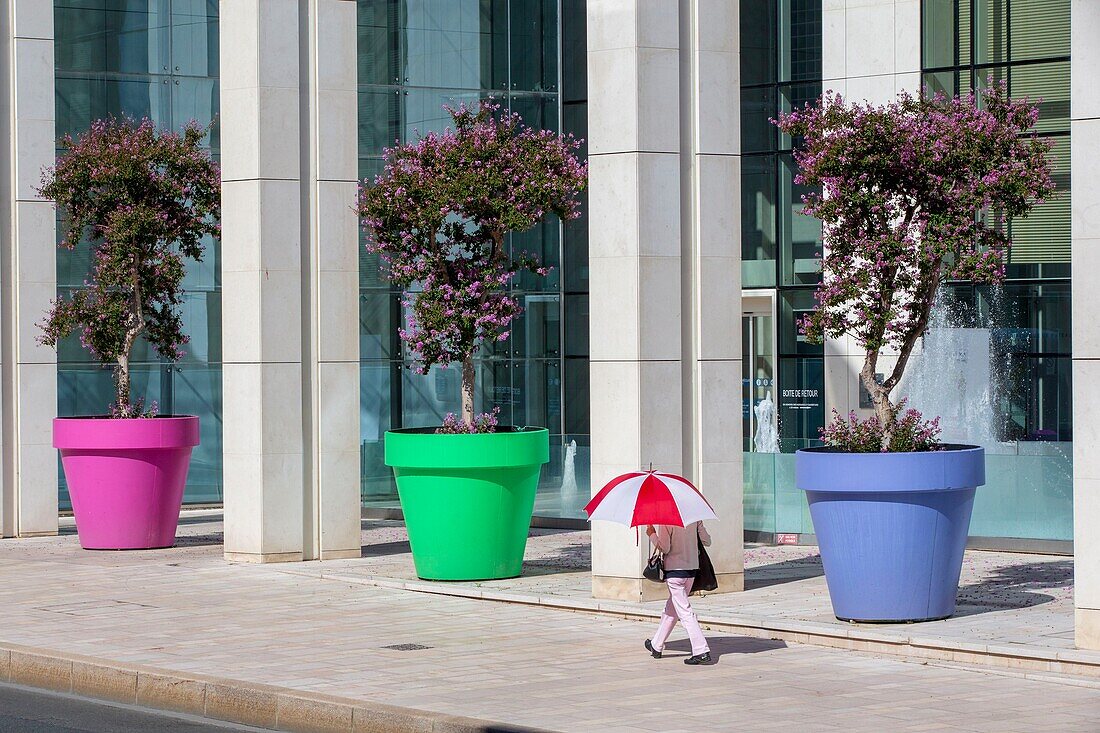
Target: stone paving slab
{"type": "Point", "coordinates": [187, 610]}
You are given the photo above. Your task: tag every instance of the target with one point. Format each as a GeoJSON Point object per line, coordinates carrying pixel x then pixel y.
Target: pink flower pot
{"type": "Point", "coordinates": [126, 477]}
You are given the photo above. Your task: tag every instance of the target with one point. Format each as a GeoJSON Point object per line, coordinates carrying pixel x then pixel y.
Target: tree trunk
{"type": "Point", "coordinates": [880, 396]}
{"type": "Point", "coordinates": [468, 389]}
{"type": "Point", "coordinates": [123, 381]}
{"type": "Point", "coordinates": [123, 385]}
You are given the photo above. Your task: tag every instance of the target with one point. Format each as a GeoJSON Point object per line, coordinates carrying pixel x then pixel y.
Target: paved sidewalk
{"type": "Point", "coordinates": [1007, 601]}
{"type": "Point", "coordinates": [187, 610]}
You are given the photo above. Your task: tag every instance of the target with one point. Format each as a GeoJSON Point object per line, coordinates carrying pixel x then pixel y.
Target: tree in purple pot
{"type": "Point", "coordinates": [912, 194]}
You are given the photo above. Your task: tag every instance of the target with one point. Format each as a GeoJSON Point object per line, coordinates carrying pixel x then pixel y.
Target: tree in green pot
{"type": "Point", "coordinates": [142, 200]}
{"type": "Point", "coordinates": [913, 194]}
{"type": "Point", "coordinates": [438, 217]}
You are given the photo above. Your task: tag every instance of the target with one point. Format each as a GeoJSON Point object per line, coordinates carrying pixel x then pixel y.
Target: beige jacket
{"type": "Point", "coordinates": [678, 545]}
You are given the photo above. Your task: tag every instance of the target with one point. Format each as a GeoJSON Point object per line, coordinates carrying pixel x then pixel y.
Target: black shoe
{"type": "Point", "coordinates": [656, 654]}
{"type": "Point", "coordinates": [703, 658]}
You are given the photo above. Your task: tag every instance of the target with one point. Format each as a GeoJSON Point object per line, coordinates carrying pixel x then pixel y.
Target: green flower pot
{"type": "Point", "coordinates": [467, 499]}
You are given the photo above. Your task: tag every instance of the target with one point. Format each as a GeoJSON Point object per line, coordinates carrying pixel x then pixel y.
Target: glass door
{"type": "Point", "coordinates": [759, 371]}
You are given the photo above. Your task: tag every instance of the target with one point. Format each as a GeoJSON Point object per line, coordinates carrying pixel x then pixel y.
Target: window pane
{"type": "Point", "coordinates": [990, 31]}
{"type": "Point", "coordinates": [758, 135]}
{"type": "Point", "coordinates": [793, 305]}
{"type": "Point", "coordinates": [574, 51]}
{"type": "Point", "coordinates": [801, 403]}
{"type": "Point", "coordinates": [758, 37]}
{"type": "Point", "coordinates": [462, 44]}
{"type": "Point", "coordinates": [534, 45]}
{"type": "Point", "coordinates": [792, 97]}
{"type": "Point", "coordinates": [537, 332]}
{"type": "Point", "coordinates": [801, 234]}
{"type": "Point", "coordinates": [195, 37]}
{"type": "Point", "coordinates": [1026, 318]}
{"type": "Point", "coordinates": [82, 100]}
{"type": "Point", "coordinates": [1044, 235]}
{"type": "Point", "coordinates": [131, 38]}
{"type": "Point", "coordinates": [1036, 401]}
{"type": "Point", "coordinates": [758, 221]}
{"type": "Point", "coordinates": [576, 396]}
{"type": "Point", "coordinates": [544, 241]}
{"type": "Point", "coordinates": [576, 327]}
{"type": "Point", "coordinates": [945, 83]}
{"type": "Point", "coordinates": [376, 390]}
{"type": "Point", "coordinates": [803, 58]}
{"type": "Point", "coordinates": [1036, 319]}
{"type": "Point", "coordinates": [377, 52]}
{"type": "Point", "coordinates": [537, 110]}
{"type": "Point", "coordinates": [1045, 84]}
{"type": "Point", "coordinates": [379, 319]}
{"type": "Point", "coordinates": [941, 33]}
{"type": "Point", "coordinates": [1040, 29]}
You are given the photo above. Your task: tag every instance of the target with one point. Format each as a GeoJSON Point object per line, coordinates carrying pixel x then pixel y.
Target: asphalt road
{"type": "Point", "coordinates": [32, 711]}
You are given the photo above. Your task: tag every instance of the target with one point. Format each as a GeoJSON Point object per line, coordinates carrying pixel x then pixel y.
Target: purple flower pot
{"type": "Point", "coordinates": [891, 528]}
{"type": "Point", "coordinates": [126, 477]}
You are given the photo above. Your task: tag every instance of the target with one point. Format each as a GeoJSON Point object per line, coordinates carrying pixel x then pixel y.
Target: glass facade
{"type": "Point", "coordinates": [155, 59]}
{"type": "Point", "coordinates": [159, 58]}
{"type": "Point", "coordinates": [1025, 324]}
{"type": "Point", "coordinates": [780, 248]}
{"type": "Point", "coordinates": [415, 56]}
{"type": "Point", "coordinates": [967, 44]}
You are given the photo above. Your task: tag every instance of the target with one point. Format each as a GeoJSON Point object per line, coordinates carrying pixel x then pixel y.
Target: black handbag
{"type": "Point", "coordinates": [705, 579]}
{"type": "Point", "coordinates": [655, 568]}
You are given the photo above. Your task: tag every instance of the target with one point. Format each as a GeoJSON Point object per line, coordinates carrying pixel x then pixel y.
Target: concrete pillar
{"type": "Point", "coordinates": [664, 265]}
{"type": "Point", "coordinates": [28, 279]}
{"type": "Point", "coordinates": [870, 49]}
{"type": "Point", "coordinates": [290, 280]}
{"type": "Point", "coordinates": [1085, 196]}
{"type": "Point", "coordinates": [870, 52]}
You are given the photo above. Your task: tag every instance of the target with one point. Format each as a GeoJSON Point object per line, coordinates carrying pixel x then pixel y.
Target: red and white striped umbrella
{"type": "Point", "coordinates": [650, 497]}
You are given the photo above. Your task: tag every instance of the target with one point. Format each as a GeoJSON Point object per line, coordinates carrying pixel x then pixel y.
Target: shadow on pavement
{"type": "Point", "coordinates": [382, 549]}
{"type": "Point", "coordinates": [788, 571]}
{"type": "Point", "coordinates": [1015, 586]}
{"type": "Point", "coordinates": [720, 645]}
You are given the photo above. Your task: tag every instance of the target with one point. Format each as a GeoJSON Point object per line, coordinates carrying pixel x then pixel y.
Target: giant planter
{"type": "Point", "coordinates": [891, 527]}
{"type": "Point", "coordinates": [126, 477]}
{"type": "Point", "coordinates": [467, 498]}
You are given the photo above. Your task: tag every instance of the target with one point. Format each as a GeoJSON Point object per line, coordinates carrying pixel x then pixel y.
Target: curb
{"type": "Point", "coordinates": [226, 700]}
{"type": "Point", "coordinates": [1028, 660]}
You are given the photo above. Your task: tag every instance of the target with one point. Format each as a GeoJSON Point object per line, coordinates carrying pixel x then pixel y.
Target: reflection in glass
{"type": "Point", "coordinates": [156, 59]}
{"type": "Point", "coordinates": [414, 57]}
{"type": "Point", "coordinates": [801, 234]}
{"type": "Point", "coordinates": [759, 378]}
{"type": "Point", "coordinates": [759, 241]}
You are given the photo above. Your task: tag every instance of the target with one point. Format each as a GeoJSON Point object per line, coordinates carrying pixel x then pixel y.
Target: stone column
{"type": "Point", "coordinates": [664, 272]}
{"type": "Point", "coordinates": [289, 280]}
{"type": "Point", "coordinates": [28, 278]}
{"type": "Point", "coordinates": [1085, 196]}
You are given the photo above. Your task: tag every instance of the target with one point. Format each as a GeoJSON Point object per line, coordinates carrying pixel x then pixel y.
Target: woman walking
{"type": "Point", "coordinates": [680, 547]}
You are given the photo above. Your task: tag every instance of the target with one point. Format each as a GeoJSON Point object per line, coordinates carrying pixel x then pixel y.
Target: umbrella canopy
{"type": "Point", "coordinates": [649, 497]}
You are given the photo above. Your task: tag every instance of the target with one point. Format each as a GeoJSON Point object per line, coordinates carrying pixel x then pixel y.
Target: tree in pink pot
{"type": "Point", "coordinates": [143, 200]}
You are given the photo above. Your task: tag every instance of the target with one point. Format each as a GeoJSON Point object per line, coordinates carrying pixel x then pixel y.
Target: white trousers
{"type": "Point", "coordinates": [678, 607]}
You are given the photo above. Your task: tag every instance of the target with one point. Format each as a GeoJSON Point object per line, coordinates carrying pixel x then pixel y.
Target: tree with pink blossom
{"type": "Point", "coordinates": [143, 200]}
{"type": "Point", "coordinates": [438, 217]}
{"type": "Point", "coordinates": [912, 194]}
